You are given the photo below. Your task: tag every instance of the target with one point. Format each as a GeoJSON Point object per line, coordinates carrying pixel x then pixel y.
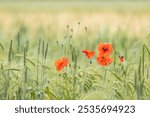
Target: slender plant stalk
{"type": "Point", "coordinates": [10, 53]}
{"type": "Point", "coordinates": [9, 63]}
{"type": "Point", "coordinates": [42, 69]}
{"type": "Point", "coordinates": [45, 55]}
{"type": "Point", "coordinates": [143, 53]}
{"type": "Point", "coordinates": [38, 60]}
{"type": "Point", "coordinates": [74, 73]}
{"type": "Point", "coordinates": [25, 73]}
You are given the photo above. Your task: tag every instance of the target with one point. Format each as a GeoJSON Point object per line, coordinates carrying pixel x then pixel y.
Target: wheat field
{"type": "Point", "coordinates": [35, 34]}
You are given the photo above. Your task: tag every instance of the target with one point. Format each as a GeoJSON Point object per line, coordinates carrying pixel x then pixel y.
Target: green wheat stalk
{"type": "Point", "coordinates": [38, 60]}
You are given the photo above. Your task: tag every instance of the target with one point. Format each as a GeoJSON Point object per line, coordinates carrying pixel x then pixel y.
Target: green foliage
{"type": "Point", "coordinates": [26, 76]}
{"type": "Point", "coordinates": [27, 58]}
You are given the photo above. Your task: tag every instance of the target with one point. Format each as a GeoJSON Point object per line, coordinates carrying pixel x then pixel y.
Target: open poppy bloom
{"type": "Point", "coordinates": [88, 53]}
{"type": "Point", "coordinates": [104, 59]}
{"type": "Point", "coordinates": [61, 63]}
{"type": "Point", "coordinates": [105, 48]}
{"type": "Point", "coordinates": [121, 59]}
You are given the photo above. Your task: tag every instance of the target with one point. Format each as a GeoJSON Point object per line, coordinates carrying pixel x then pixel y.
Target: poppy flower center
{"type": "Point", "coordinates": [104, 48]}
{"type": "Point", "coordinates": [121, 57]}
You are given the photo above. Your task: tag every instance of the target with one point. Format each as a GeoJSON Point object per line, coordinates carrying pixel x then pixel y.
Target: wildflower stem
{"type": "Point", "coordinates": [74, 73]}
{"type": "Point", "coordinates": [105, 73]}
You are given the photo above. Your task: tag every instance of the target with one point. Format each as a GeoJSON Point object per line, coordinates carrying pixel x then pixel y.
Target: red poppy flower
{"type": "Point", "coordinates": [88, 53]}
{"type": "Point", "coordinates": [104, 59]}
{"type": "Point", "coordinates": [105, 48]}
{"type": "Point", "coordinates": [61, 63]}
{"type": "Point", "coordinates": [121, 59]}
